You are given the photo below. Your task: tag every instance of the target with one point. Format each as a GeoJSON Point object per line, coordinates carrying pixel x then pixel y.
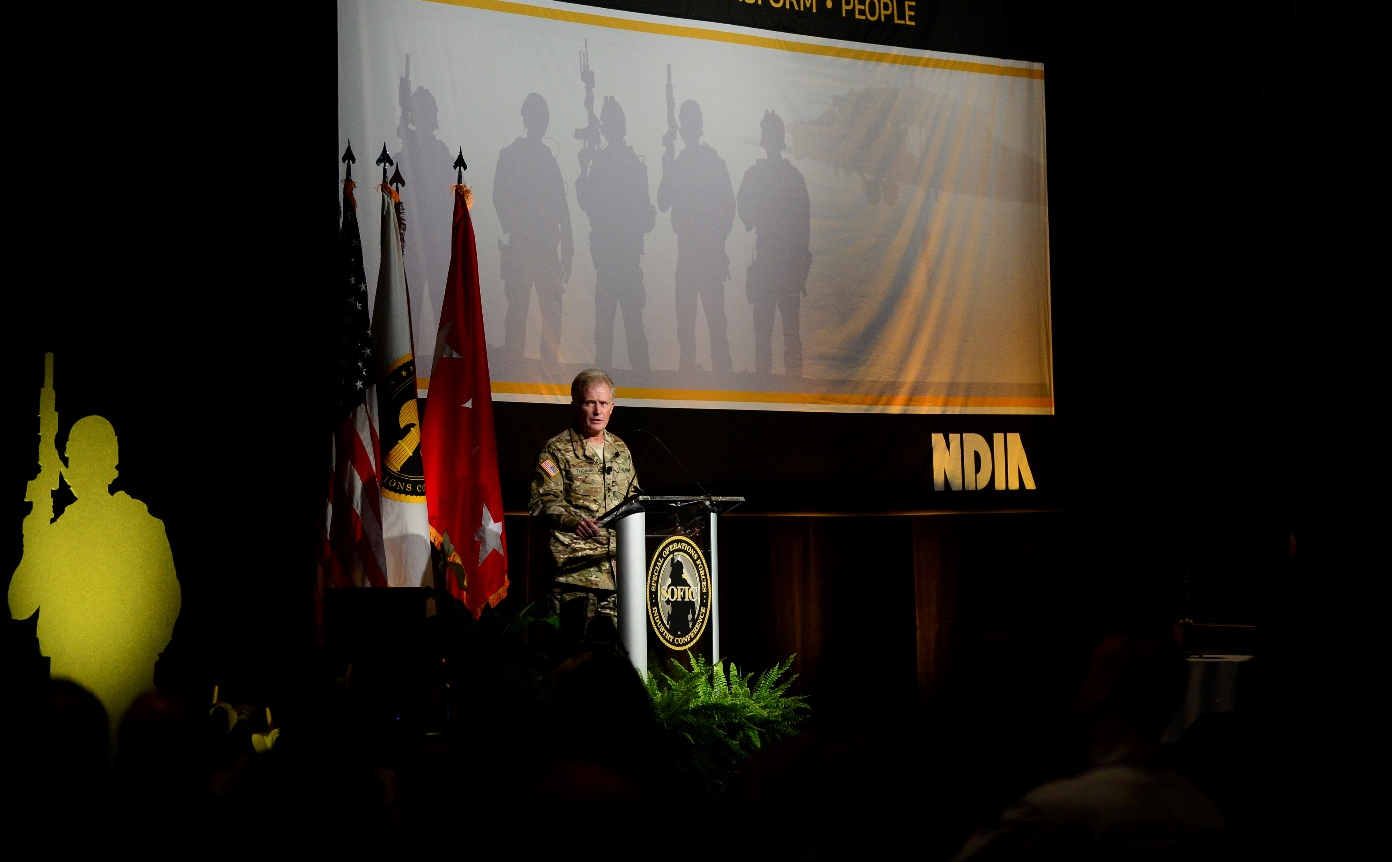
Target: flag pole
{"type": "Point", "coordinates": [385, 159]}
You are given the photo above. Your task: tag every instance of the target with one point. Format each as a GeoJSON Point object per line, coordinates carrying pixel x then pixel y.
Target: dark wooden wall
{"type": "Point", "coordinates": [893, 597]}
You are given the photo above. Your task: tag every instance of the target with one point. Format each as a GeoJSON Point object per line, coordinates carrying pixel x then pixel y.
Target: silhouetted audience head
{"type": "Point", "coordinates": [603, 738]}
{"type": "Point", "coordinates": [164, 766]}
{"type": "Point", "coordinates": [78, 731]}
{"type": "Point", "coordinates": [601, 709]}
{"type": "Point", "coordinates": [1134, 684]}
{"type": "Point", "coordinates": [57, 759]}
{"type": "Point", "coordinates": [1125, 800]}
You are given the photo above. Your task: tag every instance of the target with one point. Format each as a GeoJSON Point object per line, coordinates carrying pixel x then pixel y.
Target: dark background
{"type": "Point", "coordinates": [1213, 320]}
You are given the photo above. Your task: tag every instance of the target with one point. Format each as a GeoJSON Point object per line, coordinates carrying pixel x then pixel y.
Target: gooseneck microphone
{"type": "Point", "coordinates": [626, 503]}
{"type": "Point", "coordinates": [634, 478]}
{"type": "Point", "coordinates": [678, 460]}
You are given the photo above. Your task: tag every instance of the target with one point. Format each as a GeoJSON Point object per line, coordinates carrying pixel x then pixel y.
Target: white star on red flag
{"type": "Point", "coordinates": [489, 535]}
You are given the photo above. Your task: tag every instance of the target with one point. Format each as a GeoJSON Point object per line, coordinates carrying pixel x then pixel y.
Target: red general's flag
{"type": "Point", "coordinates": [458, 443]}
{"type": "Point", "coordinates": [350, 536]}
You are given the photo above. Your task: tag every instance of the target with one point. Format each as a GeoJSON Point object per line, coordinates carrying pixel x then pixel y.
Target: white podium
{"type": "Point", "coordinates": [668, 577]}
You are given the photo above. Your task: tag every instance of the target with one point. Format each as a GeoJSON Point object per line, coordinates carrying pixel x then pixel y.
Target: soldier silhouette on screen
{"type": "Point", "coordinates": [696, 188]}
{"type": "Point", "coordinates": [426, 165]}
{"type": "Point", "coordinates": [530, 197]}
{"type": "Point", "coordinates": [773, 202]}
{"type": "Point", "coordinates": [613, 192]}
{"type": "Point", "coordinates": [100, 576]}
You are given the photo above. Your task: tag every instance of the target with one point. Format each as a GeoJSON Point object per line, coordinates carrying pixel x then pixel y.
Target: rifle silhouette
{"type": "Point", "coordinates": [669, 140]}
{"type": "Point", "coordinates": [403, 97]}
{"type": "Point", "coordinates": [41, 487]}
{"type": "Point", "coordinates": [590, 133]}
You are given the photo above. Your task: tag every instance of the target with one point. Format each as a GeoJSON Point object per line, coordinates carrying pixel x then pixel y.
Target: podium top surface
{"type": "Point", "coordinates": [655, 503]}
{"type": "Point", "coordinates": [688, 500]}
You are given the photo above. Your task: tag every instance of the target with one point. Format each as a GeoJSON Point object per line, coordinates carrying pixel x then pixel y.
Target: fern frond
{"type": "Point", "coordinates": [718, 719]}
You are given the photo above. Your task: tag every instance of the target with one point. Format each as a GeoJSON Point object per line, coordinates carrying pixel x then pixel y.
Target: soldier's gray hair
{"type": "Point", "coordinates": [587, 378]}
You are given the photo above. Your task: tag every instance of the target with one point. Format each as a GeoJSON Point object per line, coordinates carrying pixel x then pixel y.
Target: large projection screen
{"type": "Point", "coordinates": [925, 173]}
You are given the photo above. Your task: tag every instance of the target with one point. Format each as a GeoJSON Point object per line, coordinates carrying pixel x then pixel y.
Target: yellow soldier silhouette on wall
{"type": "Point", "coordinates": [101, 575]}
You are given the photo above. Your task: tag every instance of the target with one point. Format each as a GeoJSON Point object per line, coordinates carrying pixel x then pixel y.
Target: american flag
{"type": "Point", "coordinates": [350, 543]}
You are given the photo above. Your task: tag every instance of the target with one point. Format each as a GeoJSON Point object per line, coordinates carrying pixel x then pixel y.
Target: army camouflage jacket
{"type": "Point", "coordinates": [569, 483]}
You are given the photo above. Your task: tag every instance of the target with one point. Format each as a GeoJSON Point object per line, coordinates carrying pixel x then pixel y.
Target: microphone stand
{"type": "Point", "coordinates": [629, 503]}
{"type": "Point", "coordinates": [706, 504]}
{"type": "Point", "coordinates": [682, 465]}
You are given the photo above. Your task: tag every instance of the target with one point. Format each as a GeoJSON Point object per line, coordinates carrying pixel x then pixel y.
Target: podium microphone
{"type": "Point", "coordinates": [626, 503]}
{"type": "Point", "coordinates": [633, 478]}
{"type": "Point", "coordinates": [678, 460]}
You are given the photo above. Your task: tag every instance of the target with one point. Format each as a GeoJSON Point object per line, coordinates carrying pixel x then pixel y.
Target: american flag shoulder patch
{"type": "Point", "coordinates": [549, 467]}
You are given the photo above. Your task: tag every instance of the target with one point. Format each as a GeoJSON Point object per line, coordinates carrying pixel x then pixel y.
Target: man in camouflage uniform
{"type": "Point", "coordinates": [580, 474]}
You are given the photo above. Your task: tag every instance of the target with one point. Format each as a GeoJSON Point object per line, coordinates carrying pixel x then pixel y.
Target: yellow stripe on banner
{"type": "Point", "coordinates": [863, 55]}
{"type": "Point", "coordinates": [810, 399]}
{"type": "Point", "coordinates": [551, 390]}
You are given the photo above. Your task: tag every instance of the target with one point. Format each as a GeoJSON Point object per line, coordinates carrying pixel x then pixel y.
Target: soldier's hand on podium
{"type": "Point", "coordinates": [589, 528]}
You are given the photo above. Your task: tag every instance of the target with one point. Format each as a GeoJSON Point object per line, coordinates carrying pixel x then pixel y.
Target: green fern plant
{"type": "Point", "coordinates": [717, 720]}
